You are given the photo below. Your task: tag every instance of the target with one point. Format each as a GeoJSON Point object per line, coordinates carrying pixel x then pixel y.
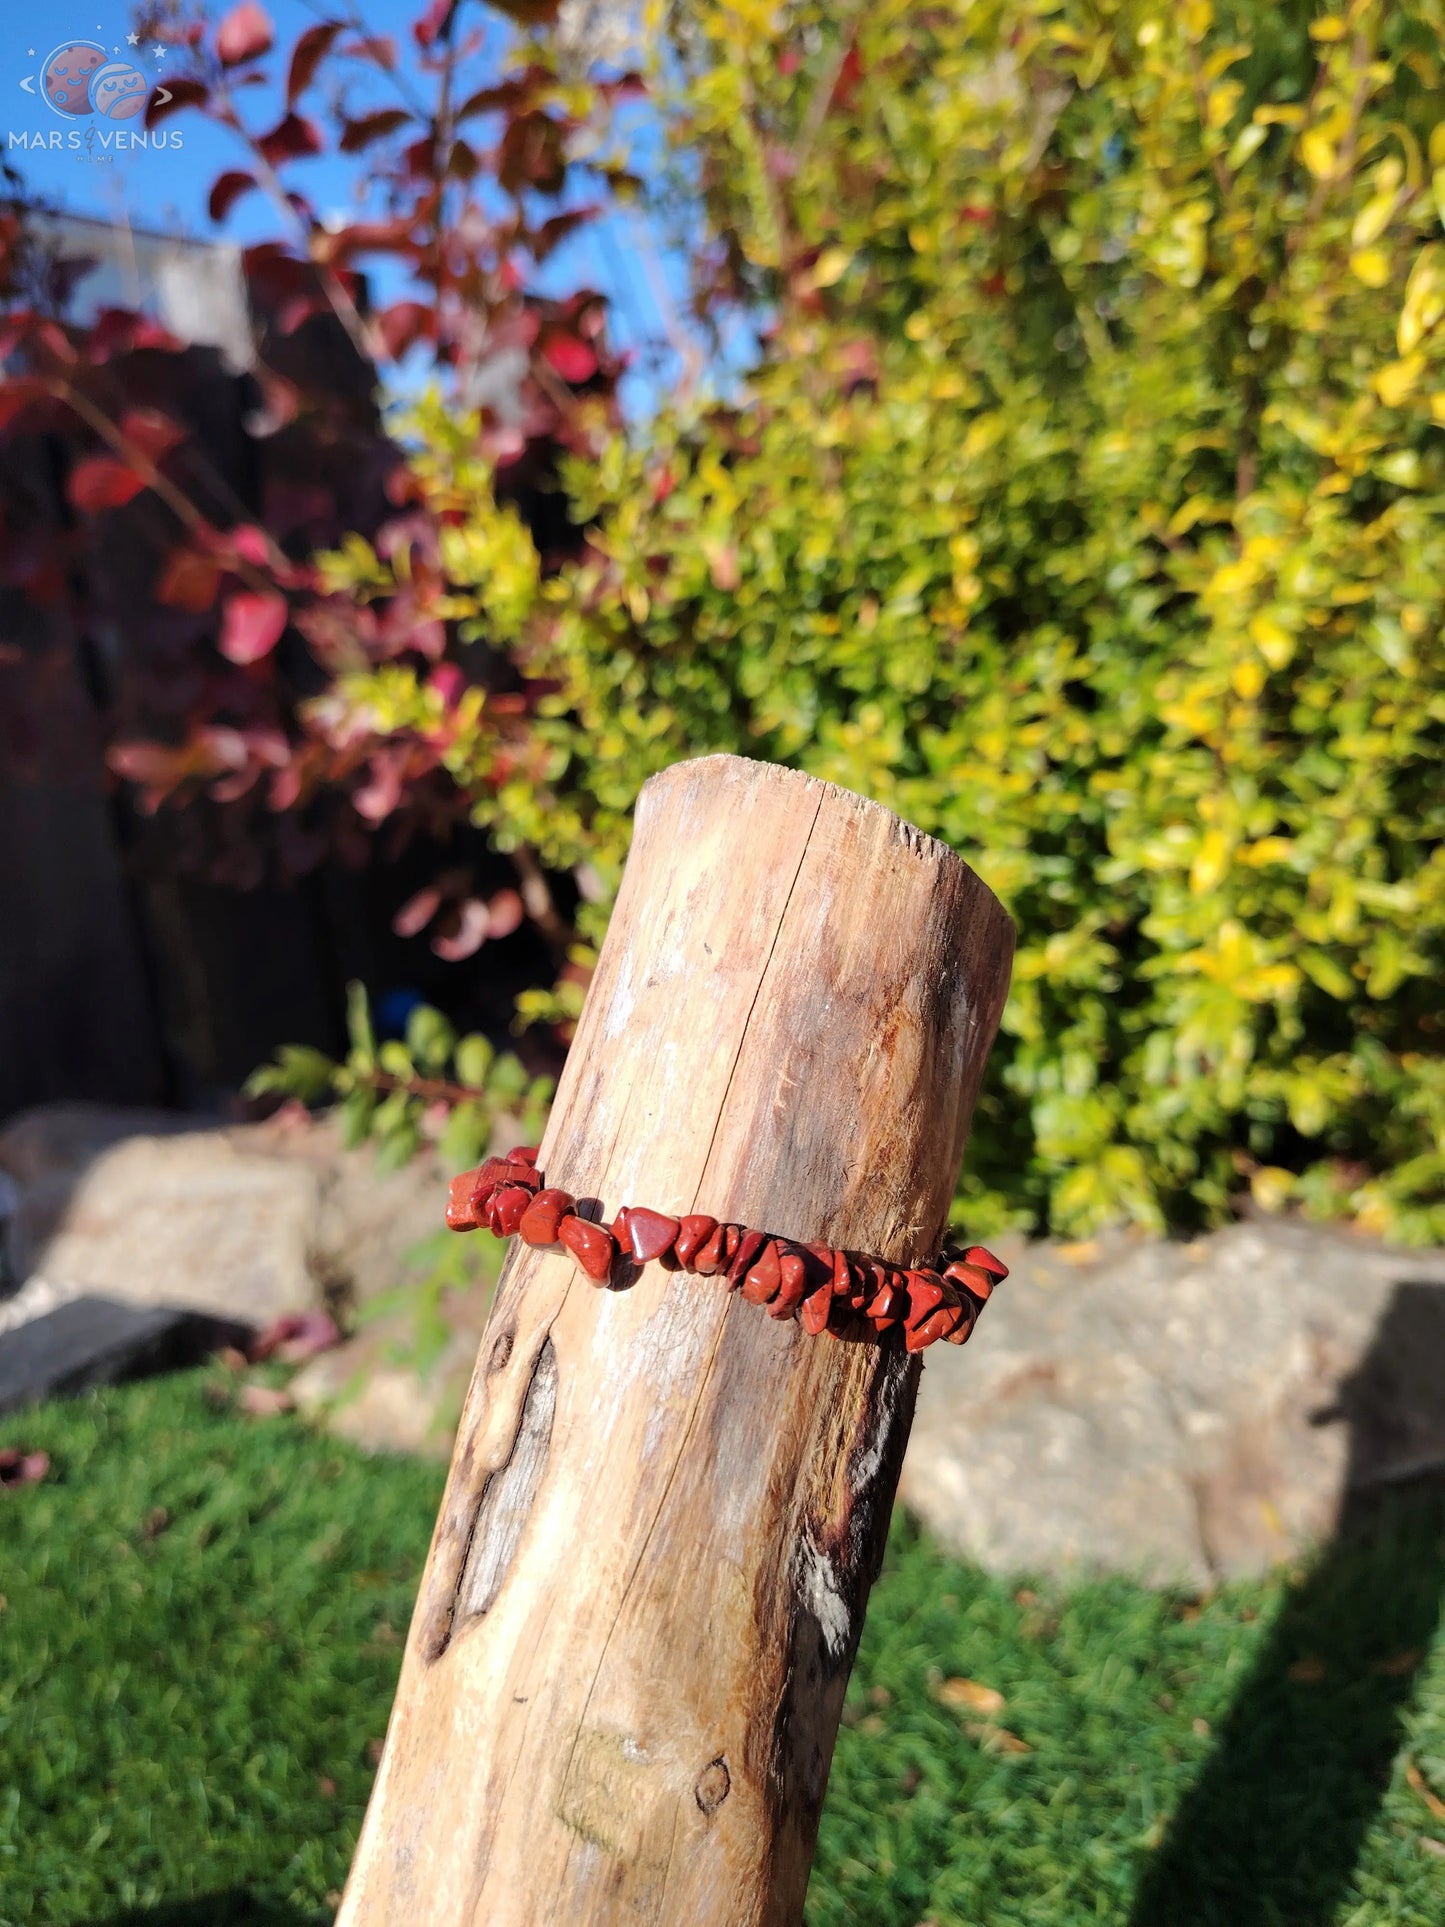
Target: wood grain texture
{"type": "Point", "coordinates": [626, 1667]}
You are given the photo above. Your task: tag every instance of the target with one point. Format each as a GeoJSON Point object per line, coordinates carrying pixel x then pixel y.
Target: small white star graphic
{"type": "Point", "coordinates": [133, 39]}
{"type": "Point", "coordinates": [159, 52]}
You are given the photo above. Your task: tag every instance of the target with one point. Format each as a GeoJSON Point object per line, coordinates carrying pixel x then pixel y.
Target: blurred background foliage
{"type": "Point", "coordinates": [1086, 505]}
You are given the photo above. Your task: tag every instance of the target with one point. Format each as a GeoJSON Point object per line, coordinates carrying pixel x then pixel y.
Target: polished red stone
{"type": "Point", "coordinates": [539, 1222]}
{"type": "Point", "coordinates": [967, 1319]}
{"type": "Point", "coordinates": [462, 1212]}
{"type": "Point", "coordinates": [982, 1257]}
{"type": "Point", "coordinates": [870, 1276]}
{"type": "Point", "coordinates": [618, 1226]}
{"type": "Point", "coordinates": [592, 1245]}
{"type": "Point", "coordinates": [887, 1306]}
{"type": "Point", "coordinates": [749, 1245]}
{"type": "Point", "coordinates": [764, 1275]}
{"type": "Point", "coordinates": [973, 1278]}
{"type": "Point", "coordinates": [925, 1295]}
{"type": "Point", "coordinates": [525, 1153]}
{"type": "Point", "coordinates": [509, 1203]}
{"type": "Point", "coordinates": [649, 1233]}
{"type": "Point", "coordinates": [732, 1238]}
{"type": "Point", "coordinates": [794, 1283]}
{"type": "Point", "coordinates": [814, 1312]}
{"type": "Point", "coordinates": [709, 1259]}
{"type": "Point", "coordinates": [928, 1330]}
{"type": "Point", "coordinates": [843, 1285]}
{"type": "Point", "coordinates": [693, 1234]}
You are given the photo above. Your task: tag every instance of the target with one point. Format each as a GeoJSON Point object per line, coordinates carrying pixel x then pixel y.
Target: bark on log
{"type": "Point", "coordinates": [626, 1667]}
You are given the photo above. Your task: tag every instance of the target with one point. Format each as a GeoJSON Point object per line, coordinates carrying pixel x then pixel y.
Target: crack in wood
{"type": "Point", "coordinates": [507, 1498]}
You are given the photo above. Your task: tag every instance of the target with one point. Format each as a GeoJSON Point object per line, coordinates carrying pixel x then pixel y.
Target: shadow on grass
{"type": "Point", "coordinates": [1270, 1833]}
{"type": "Point", "coordinates": [235, 1909]}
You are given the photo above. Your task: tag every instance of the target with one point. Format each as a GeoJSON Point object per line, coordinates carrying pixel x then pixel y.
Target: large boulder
{"type": "Point", "coordinates": [245, 1222]}
{"type": "Point", "coordinates": [1182, 1412]}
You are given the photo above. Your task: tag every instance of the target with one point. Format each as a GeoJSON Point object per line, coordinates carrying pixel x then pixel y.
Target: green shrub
{"type": "Point", "coordinates": [1088, 508]}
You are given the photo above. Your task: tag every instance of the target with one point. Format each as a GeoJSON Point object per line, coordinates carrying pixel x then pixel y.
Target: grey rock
{"type": "Point", "coordinates": [100, 1341]}
{"type": "Point", "coordinates": [243, 1221]}
{"type": "Point", "coordinates": [1183, 1413]}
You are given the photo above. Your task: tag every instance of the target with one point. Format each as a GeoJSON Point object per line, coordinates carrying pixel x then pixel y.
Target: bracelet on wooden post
{"type": "Point", "coordinates": [847, 1293]}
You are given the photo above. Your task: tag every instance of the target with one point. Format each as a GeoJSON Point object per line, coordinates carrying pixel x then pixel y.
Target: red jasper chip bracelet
{"type": "Point", "coordinates": [843, 1292]}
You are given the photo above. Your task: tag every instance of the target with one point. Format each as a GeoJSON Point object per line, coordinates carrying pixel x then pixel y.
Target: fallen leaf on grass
{"type": "Point", "coordinates": [971, 1693]}
{"type": "Point", "coordinates": [995, 1739]}
{"type": "Point", "coordinates": [22, 1468]}
{"type": "Point", "coordinates": [1417, 1783]}
{"type": "Point", "coordinates": [298, 1336]}
{"type": "Point", "coordinates": [1307, 1672]}
{"type": "Point", "coordinates": [264, 1401]}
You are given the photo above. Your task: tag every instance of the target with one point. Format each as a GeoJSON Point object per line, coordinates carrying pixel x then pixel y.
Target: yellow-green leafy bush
{"type": "Point", "coordinates": [1088, 508]}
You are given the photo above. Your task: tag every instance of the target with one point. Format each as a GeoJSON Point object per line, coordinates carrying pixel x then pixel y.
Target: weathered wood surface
{"type": "Point", "coordinates": [626, 1667]}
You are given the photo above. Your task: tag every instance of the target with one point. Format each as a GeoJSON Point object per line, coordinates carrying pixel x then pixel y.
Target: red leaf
{"type": "Point", "coordinates": [153, 433]}
{"type": "Point", "coordinates": [504, 914]}
{"type": "Point", "coordinates": [179, 94]}
{"type": "Point", "coordinates": [434, 22]}
{"type": "Point", "coordinates": [227, 190]}
{"type": "Point", "coordinates": [379, 48]}
{"type": "Point", "coordinates": [252, 625]}
{"type": "Point", "coordinates": [188, 581]}
{"type": "Point", "coordinates": [289, 139]}
{"type": "Point", "coordinates": [296, 1336]}
{"type": "Point", "coordinates": [372, 127]}
{"type": "Point", "coordinates": [470, 932]}
{"type": "Point", "coordinates": [307, 55]}
{"type": "Point", "coordinates": [846, 85]}
{"type": "Point", "coordinates": [572, 359]}
{"type": "Point", "coordinates": [22, 1468]}
{"type": "Point", "coordinates": [244, 34]}
{"type": "Point", "coordinates": [417, 912]}
{"type": "Point", "coordinates": [405, 323]}
{"type": "Point", "coordinates": [100, 482]}
{"type": "Point", "coordinates": [17, 395]}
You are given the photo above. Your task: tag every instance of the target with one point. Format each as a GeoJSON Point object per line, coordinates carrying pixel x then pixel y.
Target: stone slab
{"type": "Point", "coordinates": [91, 1341]}
{"type": "Point", "coordinates": [1184, 1413]}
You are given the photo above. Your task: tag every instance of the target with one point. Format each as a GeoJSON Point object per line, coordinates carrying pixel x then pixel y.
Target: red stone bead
{"type": "Point", "coordinates": [709, 1259]}
{"type": "Point", "coordinates": [508, 1204]}
{"type": "Point", "coordinates": [887, 1306]}
{"type": "Point", "coordinates": [928, 1330]}
{"type": "Point", "coordinates": [967, 1319]}
{"type": "Point", "coordinates": [462, 1212]}
{"type": "Point", "coordinates": [539, 1222]}
{"type": "Point", "coordinates": [973, 1278]}
{"type": "Point", "coordinates": [618, 1226]}
{"type": "Point", "coordinates": [793, 1283]}
{"type": "Point", "coordinates": [815, 1310]}
{"type": "Point", "coordinates": [524, 1153]}
{"type": "Point", "coordinates": [985, 1260]}
{"type": "Point", "coordinates": [925, 1295]}
{"type": "Point", "coordinates": [649, 1233]}
{"type": "Point", "coordinates": [842, 1275]}
{"type": "Point", "coordinates": [592, 1245]}
{"type": "Point", "coordinates": [693, 1234]}
{"type": "Point", "coordinates": [870, 1276]}
{"type": "Point", "coordinates": [764, 1275]}
{"type": "Point", "coordinates": [732, 1238]}
{"type": "Point", "coordinates": [749, 1245]}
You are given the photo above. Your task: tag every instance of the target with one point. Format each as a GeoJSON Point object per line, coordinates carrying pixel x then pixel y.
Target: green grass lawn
{"type": "Point", "coordinates": [201, 1628]}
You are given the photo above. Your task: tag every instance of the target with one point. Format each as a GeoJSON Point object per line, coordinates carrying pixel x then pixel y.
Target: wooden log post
{"type": "Point", "coordinates": [626, 1668]}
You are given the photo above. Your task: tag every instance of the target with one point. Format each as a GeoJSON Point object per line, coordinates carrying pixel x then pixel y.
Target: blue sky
{"type": "Point", "coordinates": [167, 189]}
